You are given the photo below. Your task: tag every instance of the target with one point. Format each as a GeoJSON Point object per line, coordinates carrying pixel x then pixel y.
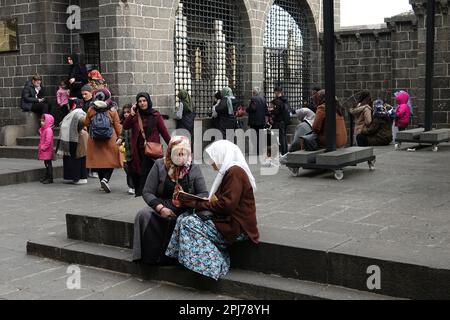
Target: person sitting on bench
{"type": "Point", "coordinates": [33, 97]}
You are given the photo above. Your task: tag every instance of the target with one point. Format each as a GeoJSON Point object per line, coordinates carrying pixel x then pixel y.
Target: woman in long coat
{"type": "Point", "coordinates": [154, 127]}
{"type": "Point", "coordinates": [154, 224]}
{"type": "Point", "coordinates": [200, 241]}
{"type": "Point", "coordinates": [103, 155]}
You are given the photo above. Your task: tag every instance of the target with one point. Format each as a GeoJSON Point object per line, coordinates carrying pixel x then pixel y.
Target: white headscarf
{"type": "Point", "coordinates": [305, 114]}
{"type": "Point", "coordinates": [225, 155]}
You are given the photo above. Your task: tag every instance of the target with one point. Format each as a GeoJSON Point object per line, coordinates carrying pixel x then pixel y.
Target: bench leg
{"type": "Point", "coordinates": [339, 174]}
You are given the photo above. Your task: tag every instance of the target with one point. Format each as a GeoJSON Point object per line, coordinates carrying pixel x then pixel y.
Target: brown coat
{"type": "Point", "coordinates": [319, 128]}
{"type": "Point", "coordinates": [236, 202]}
{"type": "Point", "coordinates": [103, 154]}
{"type": "Point", "coordinates": [83, 138]}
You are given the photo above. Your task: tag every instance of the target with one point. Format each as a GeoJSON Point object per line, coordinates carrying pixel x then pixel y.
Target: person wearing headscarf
{"type": "Point", "coordinates": [226, 119]}
{"type": "Point", "coordinates": [306, 118]}
{"type": "Point", "coordinates": [103, 156]}
{"type": "Point", "coordinates": [154, 224]}
{"type": "Point", "coordinates": [379, 132]}
{"type": "Point", "coordinates": [200, 241]}
{"type": "Point", "coordinates": [96, 80]}
{"type": "Point", "coordinates": [105, 95]}
{"type": "Point", "coordinates": [154, 127]}
{"type": "Point", "coordinates": [74, 165]}
{"type": "Point", "coordinates": [362, 112]}
{"type": "Point", "coordinates": [77, 76]}
{"type": "Point", "coordinates": [185, 114]}
{"type": "Point", "coordinates": [319, 126]}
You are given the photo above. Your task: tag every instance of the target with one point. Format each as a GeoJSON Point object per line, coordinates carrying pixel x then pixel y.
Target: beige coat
{"type": "Point", "coordinates": [103, 154]}
{"type": "Point", "coordinates": [362, 116]}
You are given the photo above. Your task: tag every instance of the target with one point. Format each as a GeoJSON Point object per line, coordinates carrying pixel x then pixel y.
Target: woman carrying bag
{"type": "Point", "coordinates": [146, 126]}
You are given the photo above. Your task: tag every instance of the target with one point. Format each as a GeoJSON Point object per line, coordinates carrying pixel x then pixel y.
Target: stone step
{"type": "Point", "coordinates": [32, 141]}
{"type": "Point", "coordinates": [237, 283]}
{"type": "Point", "coordinates": [307, 256]}
{"type": "Point", "coordinates": [11, 177]}
{"type": "Point", "coordinates": [20, 152]}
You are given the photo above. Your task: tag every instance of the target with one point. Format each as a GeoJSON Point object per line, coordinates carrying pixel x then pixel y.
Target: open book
{"type": "Point", "coordinates": [184, 196]}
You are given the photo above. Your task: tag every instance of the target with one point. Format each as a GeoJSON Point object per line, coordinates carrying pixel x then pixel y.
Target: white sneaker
{"type": "Point", "coordinates": [81, 181]}
{"type": "Point", "coordinates": [105, 186]}
{"type": "Point", "coordinates": [94, 175]}
{"type": "Point", "coordinates": [283, 158]}
{"type": "Point", "coordinates": [267, 163]}
{"type": "Point", "coordinates": [131, 191]}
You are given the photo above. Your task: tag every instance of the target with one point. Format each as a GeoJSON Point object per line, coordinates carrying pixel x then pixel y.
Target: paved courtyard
{"type": "Point", "coordinates": [399, 211]}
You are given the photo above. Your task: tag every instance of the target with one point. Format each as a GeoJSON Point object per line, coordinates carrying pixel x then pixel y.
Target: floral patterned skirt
{"type": "Point", "coordinates": [200, 247]}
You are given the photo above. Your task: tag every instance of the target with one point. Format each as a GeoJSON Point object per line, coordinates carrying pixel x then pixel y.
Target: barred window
{"type": "Point", "coordinates": [208, 51]}
{"type": "Point", "coordinates": [286, 55]}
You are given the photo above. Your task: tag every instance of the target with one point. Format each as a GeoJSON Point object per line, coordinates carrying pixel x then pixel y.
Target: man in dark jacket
{"type": "Point", "coordinates": [257, 111]}
{"type": "Point", "coordinates": [281, 117]}
{"type": "Point", "coordinates": [33, 96]}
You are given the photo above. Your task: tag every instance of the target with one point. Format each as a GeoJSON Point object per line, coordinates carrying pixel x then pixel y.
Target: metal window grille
{"type": "Point", "coordinates": [286, 56]}
{"type": "Point", "coordinates": [91, 49]}
{"type": "Point", "coordinates": [208, 51]}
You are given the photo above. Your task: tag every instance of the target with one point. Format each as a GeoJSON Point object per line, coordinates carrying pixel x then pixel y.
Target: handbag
{"type": "Point", "coordinates": [153, 150]}
{"type": "Point", "coordinates": [240, 112]}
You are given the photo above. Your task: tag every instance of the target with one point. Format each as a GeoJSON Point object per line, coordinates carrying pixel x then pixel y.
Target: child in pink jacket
{"type": "Point", "coordinates": [403, 112]}
{"type": "Point", "coordinates": [45, 150]}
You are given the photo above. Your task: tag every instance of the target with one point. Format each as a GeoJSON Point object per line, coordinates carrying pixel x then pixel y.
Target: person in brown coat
{"type": "Point", "coordinates": [362, 112]}
{"type": "Point", "coordinates": [319, 122]}
{"type": "Point", "coordinates": [379, 132]}
{"type": "Point", "coordinates": [200, 241]}
{"type": "Point", "coordinates": [103, 155]}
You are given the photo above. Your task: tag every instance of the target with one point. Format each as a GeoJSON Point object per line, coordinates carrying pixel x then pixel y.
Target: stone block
{"type": "Point", "coordinates": [361, 152]}
{"type": "Point", "coordinates": [304, 156]}
{"type": "Point", "coordinates": [412, 134]}
{"type": "Point", "coordinates": [435, 135]}
{"type": "Point", "coordinates": [336, 158]}
{"type": "Point", "coordinates": [9, 134]}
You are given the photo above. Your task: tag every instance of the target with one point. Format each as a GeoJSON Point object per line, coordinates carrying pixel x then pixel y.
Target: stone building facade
{"type": "Point", "coordinates": [133, 43]}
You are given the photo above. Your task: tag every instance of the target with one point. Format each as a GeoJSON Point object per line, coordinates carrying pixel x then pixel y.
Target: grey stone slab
{"type": "Point", "coordinates": [435, 135]}
{"type": "Point", "coordinates": [412, 134]}
{"type": "Point", "coordinates": [361, 152]}
{"type": "Point", "coordinates": [336, 158]}
{"type": "Point", "coordinates": [303, 156]}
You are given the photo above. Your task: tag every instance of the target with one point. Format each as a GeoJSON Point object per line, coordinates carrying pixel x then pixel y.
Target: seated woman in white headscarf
{"type": "Point", "coordinates": [306, 118]}
{"type": "Point", "coordinates": [154, 224]}
{"type": "Point", "coordinates": [200, 241]}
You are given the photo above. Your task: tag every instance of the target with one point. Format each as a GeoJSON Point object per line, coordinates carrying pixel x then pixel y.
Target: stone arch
{"type": "Point", "coordinates": [310, 54]}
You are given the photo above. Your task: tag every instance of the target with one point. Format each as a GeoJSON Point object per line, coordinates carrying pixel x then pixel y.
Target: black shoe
{"type": "Point", "coordinates": [105, 186]}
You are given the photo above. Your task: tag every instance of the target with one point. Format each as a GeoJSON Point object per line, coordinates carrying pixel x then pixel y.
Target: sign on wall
{"type": "Point", "coordinates": [8, 34]}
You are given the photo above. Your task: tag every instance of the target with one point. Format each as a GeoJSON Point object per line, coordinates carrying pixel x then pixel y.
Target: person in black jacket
{"type": "Point", "coordinates": [33, 97]}
{"type": "Point", "coordinates": [77, 76]}
{"type": "Point", "coordinates": [225, 111]}
{"type": "Point", "coordinates": [257, 111]}
{"type": "Point", "coordinates": [280, 113]}
{"type": "Point", "coordinates": [185, 115]}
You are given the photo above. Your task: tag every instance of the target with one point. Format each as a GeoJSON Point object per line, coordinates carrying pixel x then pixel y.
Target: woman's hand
{"type": "Point", "coordinates": [133, 110]}
{"type": "Point", "coordinates": [167, 213]}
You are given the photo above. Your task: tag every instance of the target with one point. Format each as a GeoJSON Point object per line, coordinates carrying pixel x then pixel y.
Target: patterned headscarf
{"type": "Point", "coordinates": [178, 158]}
{"type": "Point", "coordinates": [227, 93]}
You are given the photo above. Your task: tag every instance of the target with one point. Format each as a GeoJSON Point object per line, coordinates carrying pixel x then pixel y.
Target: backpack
{"type": "Point", "coordinates": [101, 127]}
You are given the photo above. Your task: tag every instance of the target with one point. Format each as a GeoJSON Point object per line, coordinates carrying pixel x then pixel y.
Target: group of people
{"type": "Point", "coordinates": [195, 231]}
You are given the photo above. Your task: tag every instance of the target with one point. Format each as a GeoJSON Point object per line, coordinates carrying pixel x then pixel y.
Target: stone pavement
{"type": "Point", "coordinates": [399, 211]}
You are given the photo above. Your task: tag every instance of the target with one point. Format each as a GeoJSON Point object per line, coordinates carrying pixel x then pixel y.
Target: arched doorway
{"type": "Point", "coordinates": [209, 50]}
{"type": "Point", "coordinates": [287, 52]}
